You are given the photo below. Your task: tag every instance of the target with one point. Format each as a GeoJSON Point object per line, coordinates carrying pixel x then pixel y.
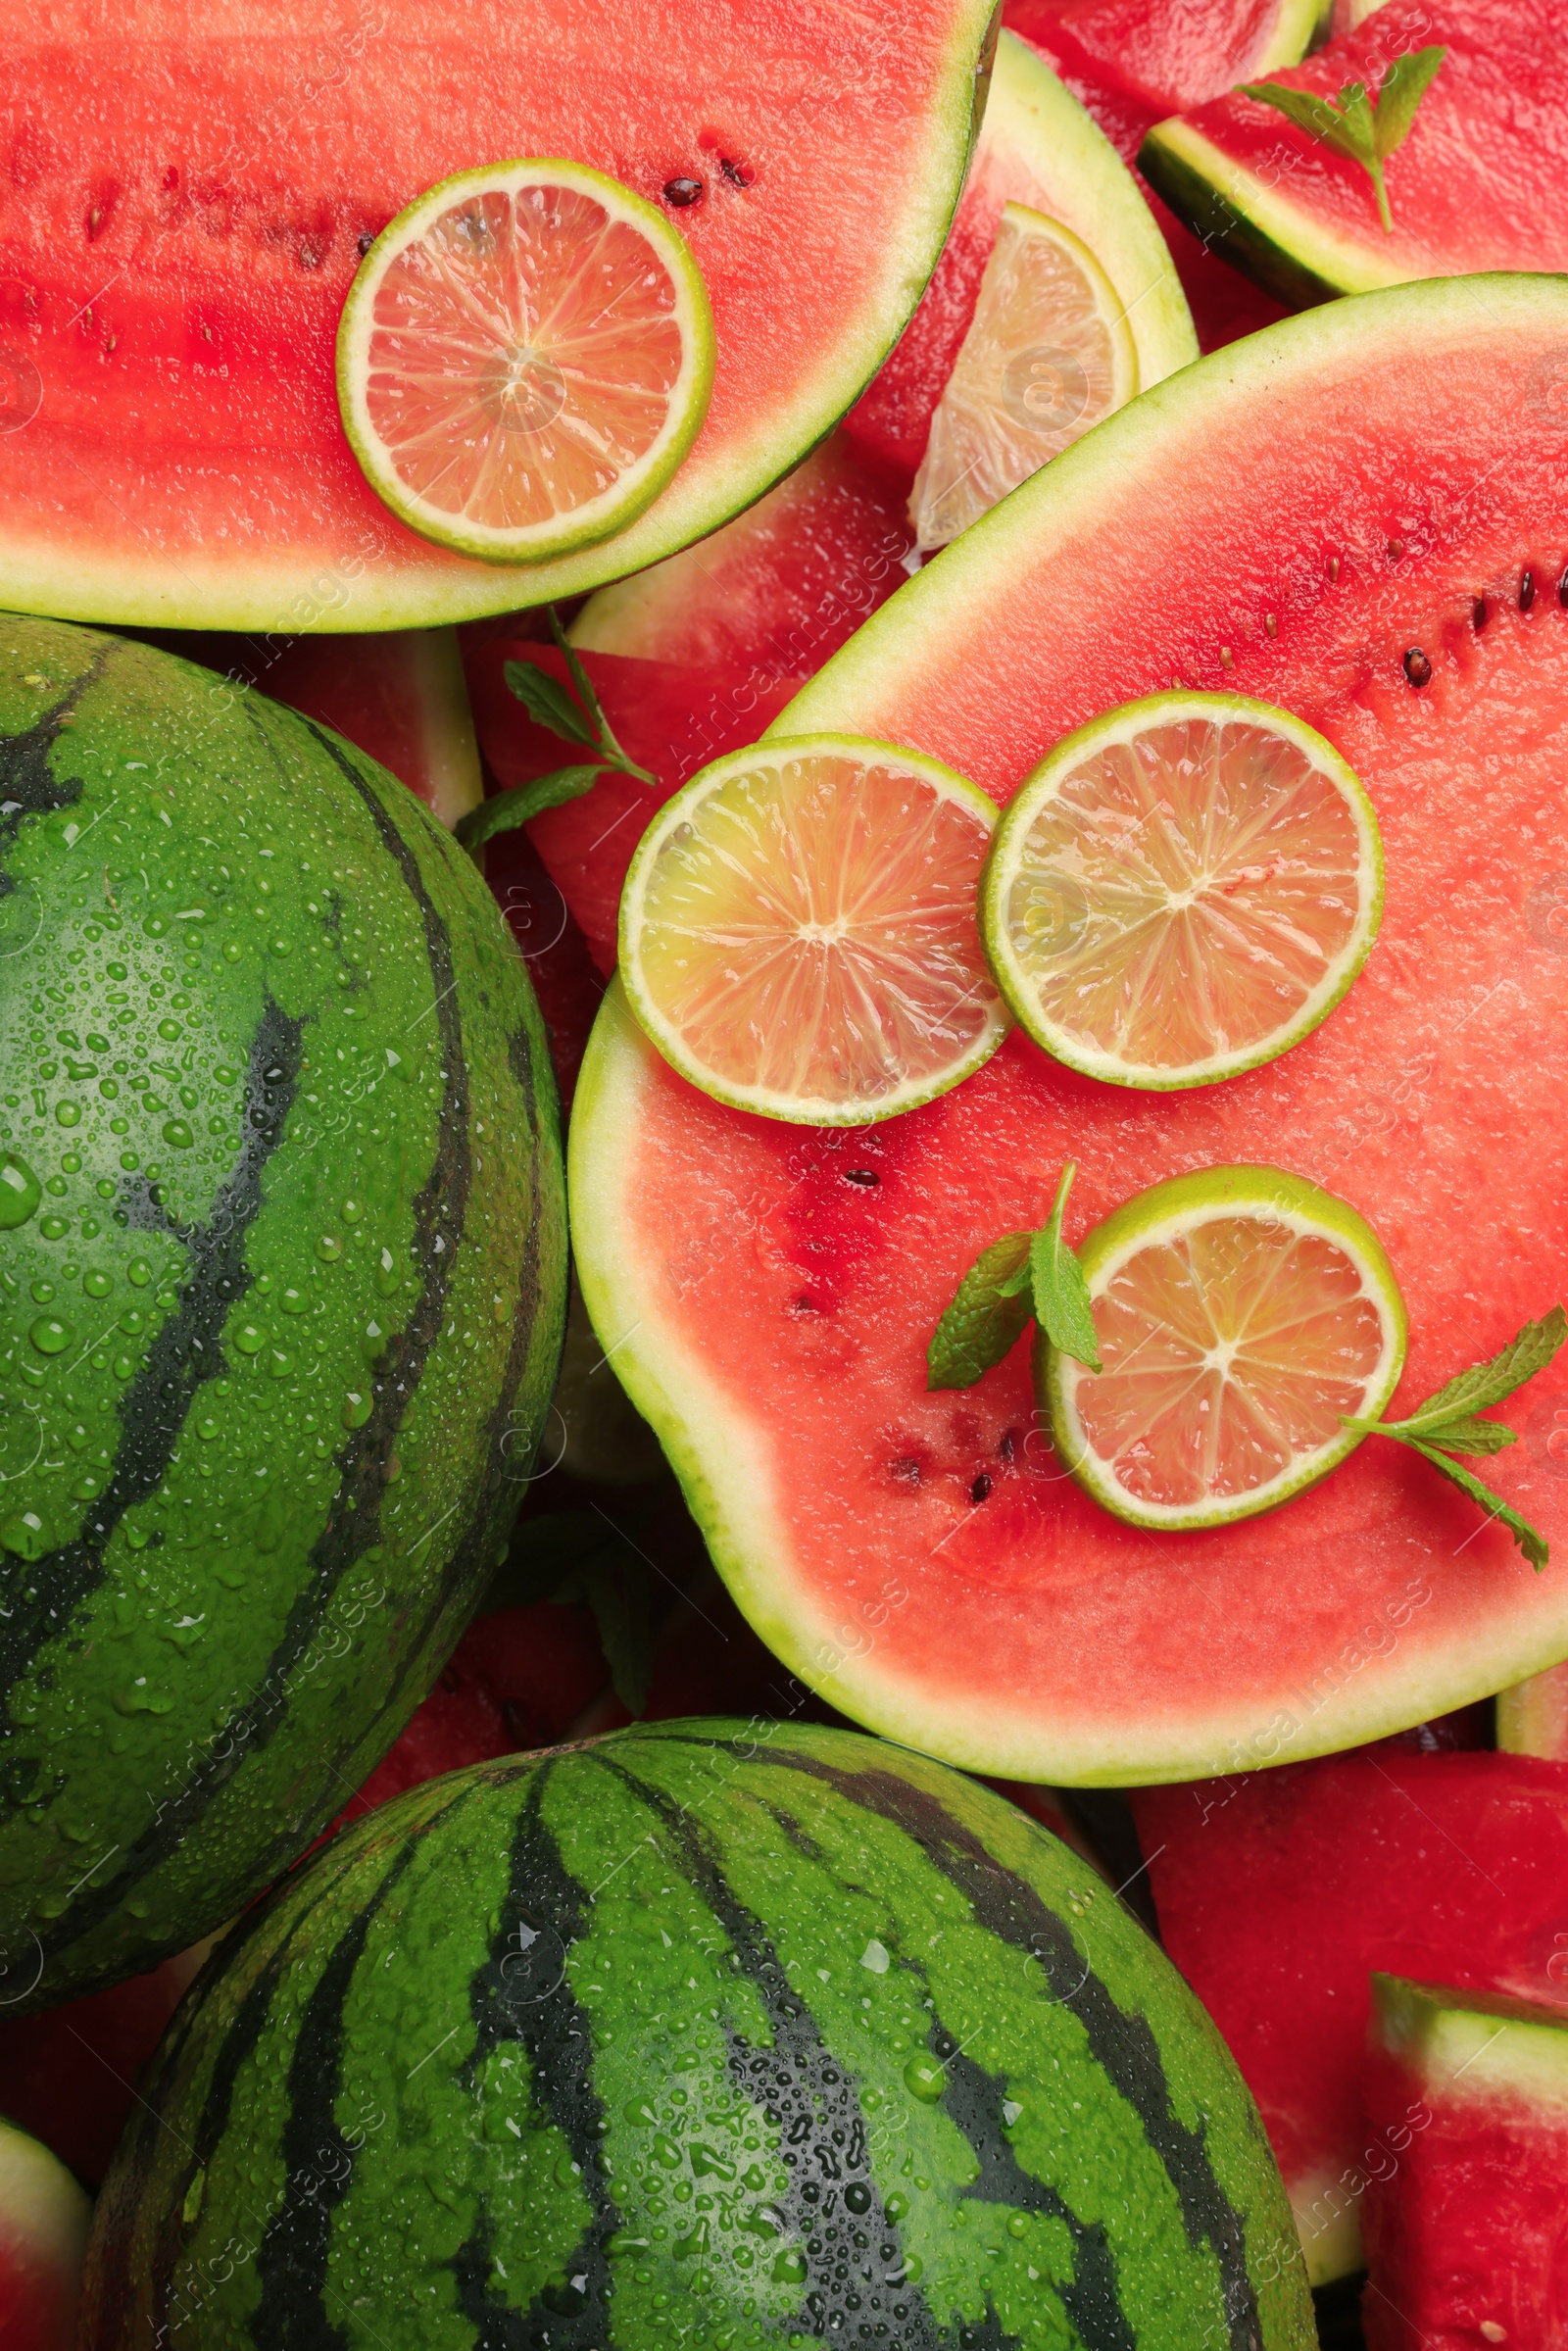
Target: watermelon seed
{"type": "Point", "coordinates": [1334, 568]}
{"type": "Point", "coordinates": [1417, 669]}
{"type": "Point", "coordinates": [681, 192]}
{"type": "Point", "coordinates": [1478, 614]}
{"type": "Point", "coordinates": [1271, 623]}
{"type": "Point", "coordinates": [1562, 589]}
{"type": "Point", "coordinates": [862, 1175]}
{"type": "Point", "coordinates": [981, 1487]}
{"type": "Point", "coordinates": [1227, 659]}
{"type": "Point", "coordinates": [1396, 550]}
{"type": "Point", "coordinates": [1527, 590]}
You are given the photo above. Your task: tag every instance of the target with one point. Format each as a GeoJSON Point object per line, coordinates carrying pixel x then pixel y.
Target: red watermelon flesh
{"type": "Point", "coordinates": [671, 718]}
{"type": "Point", "coordinates": [1278, 1894]}
{"type": "Point", "coordinates": [44, 2218]}
{"type": "Point", "coordinates": [1129, 64]}
{"type": "Point", "coordinates": [1466, 2101]}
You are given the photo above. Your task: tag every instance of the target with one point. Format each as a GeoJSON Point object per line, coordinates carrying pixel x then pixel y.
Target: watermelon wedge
{"type": "Point", "coordinates": [1132, 63]}
{"type": "Point", "coordinates": [1302, 221]}
{"type": "Point", "coordinates": [1038, 146]}
{"type": "Point", "coordinates": [1278, 1893]}
{"type": "Point", "coordinates": [44, 2218]}
{"type": "Point", "coordinates": [1284, 520]}
{"type": "Point", "coordinates": [172, 269]}
{"type": "Point", "coordinates": [1467, 2102]}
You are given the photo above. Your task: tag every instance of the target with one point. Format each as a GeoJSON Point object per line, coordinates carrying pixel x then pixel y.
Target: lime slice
{"type": "Point", "coordinates": [797, 930]}
{"type": "Point", "coordinates": [1181, 890]}
{"type": "Point", "coordinates": [1238, 1312]}
{"type": "Point", "coordinates": [523, 360]}
{"type": "Point", "coordinates": [1048, 353]}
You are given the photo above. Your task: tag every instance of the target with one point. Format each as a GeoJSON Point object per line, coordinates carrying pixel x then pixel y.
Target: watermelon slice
{"type": "Point", "coordinates": [1283, 519]}
{"type": "Point", "coordinates": [1134, 62]}
{"type": "Point", "coordinates": [1532, 1716]}
{"type": "Point", "coordinates": [172, 269]}
{"type": "Point", "coordinates": [1277, 1893]}
{"type": "Point", "coordinates": [44, 2218]}
{"type": "Point", "coordinates": [1467, 2105]}
{"type": "Point", "coordinates": [1038, 147]}
{"type": "Point", "coordinates": [1304, 221]}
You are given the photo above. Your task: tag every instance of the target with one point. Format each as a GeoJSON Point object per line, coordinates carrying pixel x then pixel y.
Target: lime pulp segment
{"type": "Point", "coordinates": [797, 930]}
{"type": "Point", "coordinates": [524, 357]}
{"type": "Point", "coordinates": [1182, 890]}
{"type": "Point", "coordinates": [1242, 1315]}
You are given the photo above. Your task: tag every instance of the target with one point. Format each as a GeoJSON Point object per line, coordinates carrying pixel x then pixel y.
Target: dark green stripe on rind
{"type": "Point", "coordinates": [1229, 231]}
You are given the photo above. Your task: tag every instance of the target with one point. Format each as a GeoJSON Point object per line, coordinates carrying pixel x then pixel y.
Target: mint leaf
{"type": "Point", "coordinates": [1060, 1292]}
{"type": "Point", "coordinates": [1318, 117]}
{"type": "Point", "coordinates": [1485, 1384]}
{"type": "Point", "coordinates": [1405, 85]}
{"type": "Point", "coordinates": [504, 811]}
{"type": "Point", "coordinates": [1356, 132]}
{"type": "Point", "coordinates": [1461, 1436]}
{"type": "Point", "coordinates": [582, 683]}
{"type": "Point", "coordinates": [989, 1313]}
{"type": "Point", "coordinates": [547, 704]}
{"type": "Point", "coordinates": [1529, 1540]}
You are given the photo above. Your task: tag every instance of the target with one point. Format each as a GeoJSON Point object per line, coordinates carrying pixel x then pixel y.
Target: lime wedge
{"type": "Point", "coordinates": [1048, 353]}
{"type": "Point", "coordinates": [1181, 890]}
{"type": "Point", "coordinates": [798, 931]}
{"type": "Point", "coordinates": [1240, 1313]}
{"type": "Point", "coordinates": [523, 360]}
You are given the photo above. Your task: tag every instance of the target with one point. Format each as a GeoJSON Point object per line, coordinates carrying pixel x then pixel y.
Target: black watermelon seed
{"type": "Point", "coordinates": [862, 1175]}
{"type": "Point", "coordinates": [1478, 614]}
{"type": "Point", "coordinates": [1417, 669]}
{"type": "Point", "coordinates": [980, 1489]}
{"type": "Point", "coordinates": [1527, 590]}
{"type": "Point", "coordinates": [739, 176]}
{"type": "Point", "coordinates": [1562, 588]}
{"type": "Point", "coordinates": [366, 239]}
{"type": "Point", "coordinates": [681, 192]}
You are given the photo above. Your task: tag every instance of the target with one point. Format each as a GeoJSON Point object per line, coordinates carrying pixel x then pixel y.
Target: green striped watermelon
{"type": "Point", "coordinates": [707, 2035]}
{"type": "Point", "coordinates": [282, 1276]}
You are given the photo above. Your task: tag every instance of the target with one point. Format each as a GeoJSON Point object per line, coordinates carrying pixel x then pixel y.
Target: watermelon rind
{"type": "Point", "coordinates": [614, 507]}
{"type": "Point", "coordinates": [1276, 243]}
{"type": "Point", "coordinates": [714, 2032]}
{"type": "Point", "coordinates": [1157, 1218]}
{"type": "Point", "coordinates": [1486, 2049]}
{"type": "Point", "coordinates": [366, 576]}
{"type": "Point", "coordinates": [285, 1290]}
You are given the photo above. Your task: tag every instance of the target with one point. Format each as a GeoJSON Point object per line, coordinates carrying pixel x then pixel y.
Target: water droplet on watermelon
{"type": "Point", "coordinates": [178, 1134]}
{"type": "Point", "coordinates": [22, 1534]}
{"type": "Point", "coordinates": [20, 1191]}
{"type": "Point", "coordinates": [897, 2205]}
{"type": "Point", "coordinates": [50, 1335]}
{"type": "Point", "coordinates": [388, 1274]}
{"type": "Point", "coordinates": [357, 1408]}
{"type": "Point", "coordinates": [923, 2077]}
{"type": "Point", "coordinates": [857, 2197]}
{"type": "Point", "coordinates": [140, 1272]}
{"type": "Point", "coordinates": [249, 1339]}
{"type": "Point", "coordinates": [330, 1247]}
{"type": "Point", "coordinates": [97, 1284]}
{"type": "Point", "coordinates": [790, 2268]}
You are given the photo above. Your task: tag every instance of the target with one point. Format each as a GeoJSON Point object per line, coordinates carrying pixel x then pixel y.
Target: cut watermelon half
{"type": "Point", "coordinates": [1278, 1894]}
{"type": "Point", "coordinates": [44, 2218]}
{"type": "Point", "coordinates": [1038, 147]}
{"type": "Point", "coordinates": [172, 272]}
{"type": "Point", "coordinates": [1304, 221]}
{"type": "Point", "coordinates": [1467, 2104]}
{"type": "Point", "coordinates": [1278, 520]}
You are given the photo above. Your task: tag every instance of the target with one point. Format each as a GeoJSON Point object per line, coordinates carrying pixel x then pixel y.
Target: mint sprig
{"type": "Point", "coordinates": [1019, 1277]}
{"type": "Point", "coordinates": [1364, 128]}
{"type": "Point", "coordinates": [1446, 1424]}
{"type": "Point", "coordinates": [577, 717]}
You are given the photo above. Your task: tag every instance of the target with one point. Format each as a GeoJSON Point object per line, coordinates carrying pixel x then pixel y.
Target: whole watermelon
{"type": "Point", "coordinates": [281, 1281]}
{"type": "Point", "coordinates": [702, 2036]}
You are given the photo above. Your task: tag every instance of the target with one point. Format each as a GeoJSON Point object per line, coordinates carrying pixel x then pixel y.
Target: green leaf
{"type": "Point", "coordinates": [1060, 1292]}
{"type": "Point", "coordinates": [504, 811]}
{"type": "Point", "coordinates": [989, 1313]}
{"type": "Point", "coordinates": [1469, 1436]}
{"type": "Point", "coordinates": [1405, 85]}
{"type": "Point", "coordinates": [1486, 1384]}
{"type": "Point", "coordinates": [547, 702]}
{"type": "Point", "coordinates": [1357, 134]}
{"type": "Point", "coordinates": [1529, 1540]}
{"type": "Point", "coordinates": [1318, 117]}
